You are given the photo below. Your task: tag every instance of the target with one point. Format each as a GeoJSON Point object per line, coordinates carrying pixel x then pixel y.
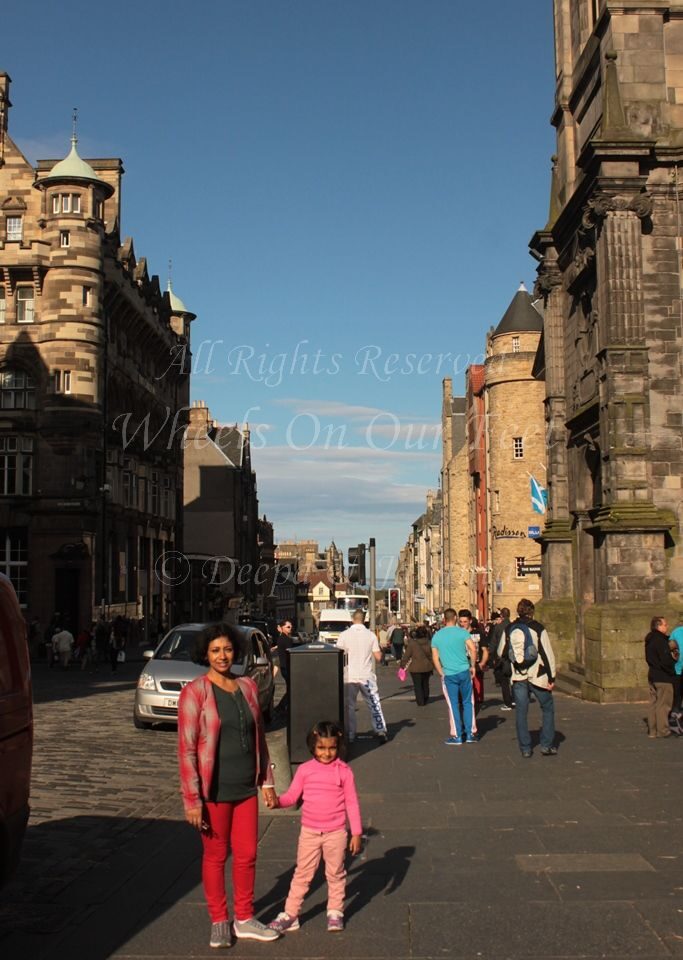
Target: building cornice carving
{"type": "Point", "coordinates": [601, 204]}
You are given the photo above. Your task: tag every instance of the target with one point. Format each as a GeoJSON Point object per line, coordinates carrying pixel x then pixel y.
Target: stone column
{"type": "Point", "coordinates": [557, 609]}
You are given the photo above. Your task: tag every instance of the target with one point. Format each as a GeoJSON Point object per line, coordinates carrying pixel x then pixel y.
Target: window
{"type": "Point", "coordinates": [519, 567]}
{"type": "Point", "coordinates": [166, 498]}
{"type": "Point", "coordinates": [496, 500]}
{"type": "Point", "coordinates": [3, 305]}
{"type": "Point", "coordinates": [64, 238]}
{"type": "Point", "coordinates": [66, 203]}
{"type": "Point", "coordinates": [15, 228]}
{"type": "Point", "coordinates": [16, 466]}
{"type": "Point", "coordinates": [130, 484]}
{"type": "Point", "coordinates": [87, 296]}
{"type": "Point", "coordinates": [25, 305]}
{"type": "Point", "coordinates": [518, 448]}
{"type": "Point", "coordinates": [14, 560]}
{"type": "Point", "coordinates": [154, 494]}
{"type": "Point", "coordinates": [99, 207]}
{"type": "Point", "coordinates": [17, 390]}
{"type": "Point", "coordinates": [515, 344]}
{"type": "Point", "coordinates": [61, 381]}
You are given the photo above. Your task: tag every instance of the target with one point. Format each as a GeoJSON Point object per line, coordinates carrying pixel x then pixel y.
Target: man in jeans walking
{"type": "Point", "coordinates": [535, 675]}
{"type": "Point", "coordinates": [455, 658]}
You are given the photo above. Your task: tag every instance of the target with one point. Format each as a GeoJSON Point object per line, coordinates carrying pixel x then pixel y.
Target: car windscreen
{"type": "Point", "coordinates": [179, 645]}
{"type": "Point", "coordinates": [333, 626]}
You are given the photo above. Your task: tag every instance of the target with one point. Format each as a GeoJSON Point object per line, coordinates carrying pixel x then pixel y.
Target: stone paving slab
{"type": "Point", "coordinates": [111, 870]}
{"type": "Point", "coordinates": [547, 930]}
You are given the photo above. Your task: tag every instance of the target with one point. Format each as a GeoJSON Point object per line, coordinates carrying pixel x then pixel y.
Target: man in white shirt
{"type": "Point", "coordinates": [63, 643]}
{"type": "Point", "coordinates": [362, 652]}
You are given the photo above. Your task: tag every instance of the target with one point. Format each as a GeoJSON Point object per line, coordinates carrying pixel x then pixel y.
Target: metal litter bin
{"type": "Point", "coordinates": [316, 692]}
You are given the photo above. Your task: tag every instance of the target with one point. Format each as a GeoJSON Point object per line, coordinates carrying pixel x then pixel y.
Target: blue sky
{"type": "Point", "coordinates": [346, 190]}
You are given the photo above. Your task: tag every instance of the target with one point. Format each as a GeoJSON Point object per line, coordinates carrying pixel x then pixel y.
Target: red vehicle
{"type": "Point", "coordinates": [16, 729]}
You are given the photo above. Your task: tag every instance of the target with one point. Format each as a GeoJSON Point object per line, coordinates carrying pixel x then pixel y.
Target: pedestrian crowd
{"type": "Point", "coordinates": [102, 641]}
{"type": "Point", "coordinates": [224, 761]}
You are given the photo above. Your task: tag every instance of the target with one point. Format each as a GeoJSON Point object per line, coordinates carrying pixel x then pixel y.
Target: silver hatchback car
{"type": "Point", "coordinates": [170, 667]}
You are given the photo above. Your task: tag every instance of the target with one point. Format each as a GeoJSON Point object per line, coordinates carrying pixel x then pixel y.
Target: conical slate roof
{"type": "Point", "coordinates": [521, 316]}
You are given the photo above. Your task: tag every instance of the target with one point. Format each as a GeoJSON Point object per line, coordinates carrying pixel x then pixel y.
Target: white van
{"type": "Point", "coordinates": [332, 623]}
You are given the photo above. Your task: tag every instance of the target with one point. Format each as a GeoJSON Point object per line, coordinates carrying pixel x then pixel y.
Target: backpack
{"type": "Point", "coordinates": [530, 648]}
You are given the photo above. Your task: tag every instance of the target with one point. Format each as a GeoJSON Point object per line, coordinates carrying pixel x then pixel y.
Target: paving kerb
{"type": "Point", "coordinates": [447, 828]}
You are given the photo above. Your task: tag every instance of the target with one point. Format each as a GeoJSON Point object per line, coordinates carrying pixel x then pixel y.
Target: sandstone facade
{"type": "Point", "coordinates": [94, 368]}
{"type": "Point", "coordinates": [610, 277]}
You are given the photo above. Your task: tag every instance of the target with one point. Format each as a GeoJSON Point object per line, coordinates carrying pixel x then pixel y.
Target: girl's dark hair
{"type": "Point", "coordinates": [326, 728]}
{"type": "Point", "coordinates": [213, 632]}
{"type": "Point", "coordinates": [422, 633]}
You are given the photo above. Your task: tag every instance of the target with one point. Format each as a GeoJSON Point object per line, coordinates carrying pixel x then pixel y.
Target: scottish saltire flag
{"type": "Point", "coordinates": [539, 496]}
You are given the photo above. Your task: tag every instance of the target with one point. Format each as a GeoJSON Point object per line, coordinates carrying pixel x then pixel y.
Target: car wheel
{"type": "Point", "coordinates": [140, 724]}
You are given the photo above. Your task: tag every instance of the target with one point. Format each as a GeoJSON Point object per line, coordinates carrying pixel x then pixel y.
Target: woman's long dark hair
{"type": "Point", "coordinates": [213, 632]}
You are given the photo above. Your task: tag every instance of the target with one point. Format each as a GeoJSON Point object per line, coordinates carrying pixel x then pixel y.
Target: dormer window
{"type": "Point", "coordinates": [515, 344]}
{"type": "Point", "coordinates": [15, 228]}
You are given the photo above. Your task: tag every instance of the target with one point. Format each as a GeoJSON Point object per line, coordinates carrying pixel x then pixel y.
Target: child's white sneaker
{"type": "Point", "coordinates": [335, 922]}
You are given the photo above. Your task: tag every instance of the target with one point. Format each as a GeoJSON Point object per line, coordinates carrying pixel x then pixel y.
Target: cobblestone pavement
{"type": "Point", "coordinates": [473, 852]}
{"type": "Point", "coordinates": [96, 781]}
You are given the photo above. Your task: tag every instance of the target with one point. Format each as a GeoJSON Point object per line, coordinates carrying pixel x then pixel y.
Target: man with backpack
{"type": "Point", "coordinates": [533, 668]}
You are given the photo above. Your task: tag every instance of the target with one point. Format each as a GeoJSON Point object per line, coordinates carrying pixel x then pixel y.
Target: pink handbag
{"type": "Point", "coordinates": [402, 674]}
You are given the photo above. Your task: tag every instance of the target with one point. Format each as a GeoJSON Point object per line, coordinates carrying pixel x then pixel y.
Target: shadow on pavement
{"type": "Point", "coordinates": [55, 683]}
{"type": "Point", "coordinates": [87, 884]}
{"type": "Point", "coordinates": [367, 742]}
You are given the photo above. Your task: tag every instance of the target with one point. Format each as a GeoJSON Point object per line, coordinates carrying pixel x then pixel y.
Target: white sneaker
{"type": "Point", "coordinates": [254, 930]}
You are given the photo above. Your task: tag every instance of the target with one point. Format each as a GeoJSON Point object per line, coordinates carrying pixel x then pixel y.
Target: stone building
{"type": "Point", "coordinates": [265, 588]}
{"type": "Point", "coordinates": [305, 552]}
{"type": "Point", "coordinates": [94, 384]}
{"type": "Point", "coordinates": [319, 591]}
{"type": "Point", "coordinates": [419, 573]}
{"type": "Point", "coordinates": [515, 455]}
{"type": "Point", "coordinates": [478, 533]}
{"type": "Point", "coordinates": [493, 451]}
{"type": "Point", "coordinates": [455, 500]}
{"type": "Point", "coordinates": [610, 357]}
{"type": "Point", "coordinates": [221, 520]}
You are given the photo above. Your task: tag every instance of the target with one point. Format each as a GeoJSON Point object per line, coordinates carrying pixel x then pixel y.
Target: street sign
{"type": "Point", "coordinates": [533, 532]}
{"type": "Point", "coordinates": [418, 598]}
{"type": "Point", "coordinates": [529, 569]}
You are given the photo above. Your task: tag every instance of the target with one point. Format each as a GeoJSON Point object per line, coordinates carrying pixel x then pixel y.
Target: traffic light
{"type": "Point", "coordinates": [353, 565]}
{"type": "Point", "coordinates": [395, 600]}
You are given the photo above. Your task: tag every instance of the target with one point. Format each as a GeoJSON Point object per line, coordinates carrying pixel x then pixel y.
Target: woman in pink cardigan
{"type": "Point", "coordinates": [330, 799]}
{"type": "Point", "coordinates": [223, 760]}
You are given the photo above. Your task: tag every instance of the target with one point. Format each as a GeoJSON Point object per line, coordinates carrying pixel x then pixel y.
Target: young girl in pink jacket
{"type": "Point", "coordinates": [329, 800]}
